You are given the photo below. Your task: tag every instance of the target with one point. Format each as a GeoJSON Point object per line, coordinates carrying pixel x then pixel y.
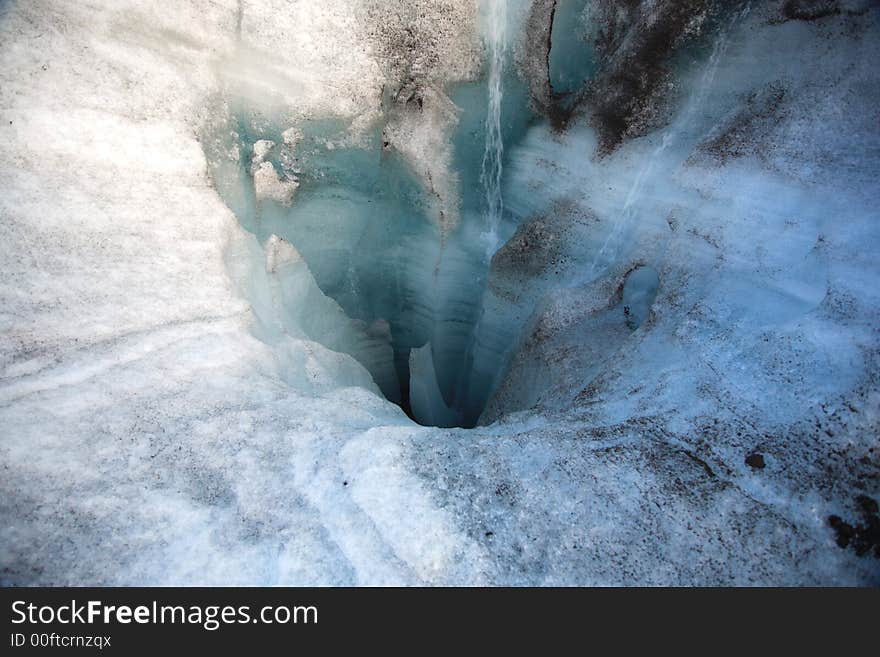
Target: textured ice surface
{"type": "Point", "coordinates": [190, 385]}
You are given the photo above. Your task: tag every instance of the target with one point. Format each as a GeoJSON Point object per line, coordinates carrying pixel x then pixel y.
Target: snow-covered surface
{"type": "Point", "coordinates": [171, 412]}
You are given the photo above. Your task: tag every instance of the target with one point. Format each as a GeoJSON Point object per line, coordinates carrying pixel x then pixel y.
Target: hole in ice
{"type": "Point", "coordinates": [639, 292]}
{"type": "Point", "coordinates": [357, 256]}
{"type": "Point", "coordinates": [364, 256]}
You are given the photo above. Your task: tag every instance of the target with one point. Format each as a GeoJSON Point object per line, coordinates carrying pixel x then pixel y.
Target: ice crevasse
{"type": "Point", "coordinates": [439, 292]}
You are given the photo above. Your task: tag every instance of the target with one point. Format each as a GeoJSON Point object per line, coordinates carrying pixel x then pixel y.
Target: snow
{"type": "Point", "coordinates": [194, 391]}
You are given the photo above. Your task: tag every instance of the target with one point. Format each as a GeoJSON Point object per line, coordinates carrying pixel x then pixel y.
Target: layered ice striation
{"type": "Point", "coordinates": [361, 223]}
{"type": "Point", "coordinates": [376, 236]}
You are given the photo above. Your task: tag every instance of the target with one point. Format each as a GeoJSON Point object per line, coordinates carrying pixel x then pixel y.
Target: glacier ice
{"type": "Point", "coordinates": [628, 244]}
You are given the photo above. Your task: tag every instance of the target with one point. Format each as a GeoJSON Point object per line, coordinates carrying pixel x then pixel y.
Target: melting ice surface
{"type": "Point", "coordinates": [434, 317]}
{"type": "Point", "coordinates": [656, 314]}
{"type": "Point", "coordinates": [360, 225]}
{"type": "Point", "coordinates": [406, 299]}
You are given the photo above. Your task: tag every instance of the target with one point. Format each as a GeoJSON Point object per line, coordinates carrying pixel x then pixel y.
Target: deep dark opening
{"type": "Point", "coordinates": [410, 282]}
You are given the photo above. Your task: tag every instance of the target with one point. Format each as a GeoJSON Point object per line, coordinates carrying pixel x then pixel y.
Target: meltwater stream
{"type": "Point", "coordinates": [492, 167]}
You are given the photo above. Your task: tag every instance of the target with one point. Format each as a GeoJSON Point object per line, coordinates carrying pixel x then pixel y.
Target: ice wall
{"type": "Point", "coordinates": [392, 236]}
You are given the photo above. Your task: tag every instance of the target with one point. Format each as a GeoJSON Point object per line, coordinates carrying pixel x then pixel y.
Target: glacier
{"type": "Point", "coordinates": [440, 292]}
